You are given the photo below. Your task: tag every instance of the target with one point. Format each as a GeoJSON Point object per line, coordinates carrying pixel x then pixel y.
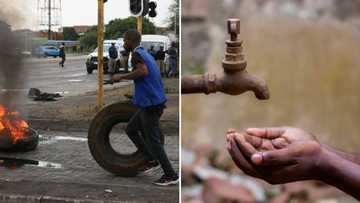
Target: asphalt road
{"type": "Point", "coordinates": [72, 173]}
{"type": "Point", "coordinates": [46, 75]}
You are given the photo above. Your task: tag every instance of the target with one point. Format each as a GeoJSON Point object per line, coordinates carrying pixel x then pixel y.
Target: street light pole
{"type": "Point", "coordinates": [140, 23]}
{"type": "Point", "coordinates": [100, 42]}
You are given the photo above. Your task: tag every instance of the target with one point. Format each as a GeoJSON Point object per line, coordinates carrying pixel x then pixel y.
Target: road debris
{"type": "Point", "coordinates": [37, 95]}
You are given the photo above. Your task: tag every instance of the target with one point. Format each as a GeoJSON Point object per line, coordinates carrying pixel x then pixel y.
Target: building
{"type": "Point", "coordinates": [82, 29]}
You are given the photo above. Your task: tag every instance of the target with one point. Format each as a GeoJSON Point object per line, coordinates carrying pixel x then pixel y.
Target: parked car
{"type": "Point", "coordinates": [156, 41]}
{"type": "Point", "coordinates": [45, 51]}
{"type": "Point", "coordinates": [92, 59]}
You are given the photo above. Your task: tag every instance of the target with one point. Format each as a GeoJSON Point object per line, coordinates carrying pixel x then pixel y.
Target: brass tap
{"type": "Point", "coordinates": [234, 60]}
{"type": "Point", "coordinates": [235, 80]}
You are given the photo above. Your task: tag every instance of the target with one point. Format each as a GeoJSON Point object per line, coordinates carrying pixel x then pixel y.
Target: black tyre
{"type": "Point", "coordinates": [89, 70]}
{"type": "Point", "coordinates": [30, 142]}
{"type": "Point", "coordinates": [126, 165]}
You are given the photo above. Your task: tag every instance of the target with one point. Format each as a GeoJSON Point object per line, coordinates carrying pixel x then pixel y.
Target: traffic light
{"type": "Point", "coordinates": [136, 7]}
{"type": "Point", "coordinates": [145, 7]}
{"type": "Point", "coordinates": [142, 7]}
{"type": "Point", "coordinates": [152, 7]}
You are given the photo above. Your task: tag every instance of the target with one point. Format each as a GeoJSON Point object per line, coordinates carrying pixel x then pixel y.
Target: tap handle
{"type": "Point", "coordinates": [233, 28]}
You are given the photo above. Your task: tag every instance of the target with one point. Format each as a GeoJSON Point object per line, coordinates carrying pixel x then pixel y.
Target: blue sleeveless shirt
{"type": "Point", "coordinates": [149, 90]}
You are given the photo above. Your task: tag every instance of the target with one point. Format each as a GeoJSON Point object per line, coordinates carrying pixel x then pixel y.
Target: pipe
{"type": "Point", "coordinates": [232, 84]}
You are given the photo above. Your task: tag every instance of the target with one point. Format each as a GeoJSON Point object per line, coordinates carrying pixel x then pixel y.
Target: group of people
{"type": "Point", "coordinates": [113, 57]}
{"type": "Point", "coordinates": [159, 56]}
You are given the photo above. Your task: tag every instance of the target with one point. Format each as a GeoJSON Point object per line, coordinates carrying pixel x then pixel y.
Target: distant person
{"type": "Point", "coordinates": [173, 53]}
{"type": "Point", "coordinates": [284, 154]}
{"type": "Point", "coordinates": [113, 55]}
{"type": "Point", "coordinates": [152, 51]}
{"type": "Point", "coordinates": [160, 58]}
{"type": "Point", "coordinates": [150, 98]}
{"type": "Point", "coordinates": [125, 60]}
{"type": "Point", "coordinates": [62, 54]}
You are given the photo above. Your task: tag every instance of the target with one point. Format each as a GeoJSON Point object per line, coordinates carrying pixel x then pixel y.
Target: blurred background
{"type": "Point", "coordinates": [308, 51]}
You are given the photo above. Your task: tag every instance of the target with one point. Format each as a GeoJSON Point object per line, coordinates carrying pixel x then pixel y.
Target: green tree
{"type": "Point", "coordinates": [173, 20]}
{"type": "Point", "coordinates": [89, 39]}
{"type": "Point", "coordinates": [70, 34]}
{"type": "Point", "coordinates": [117, 27]}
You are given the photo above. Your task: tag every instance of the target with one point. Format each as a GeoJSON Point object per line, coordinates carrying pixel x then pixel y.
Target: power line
{"type": "Point", "coordinates": [49, 15]}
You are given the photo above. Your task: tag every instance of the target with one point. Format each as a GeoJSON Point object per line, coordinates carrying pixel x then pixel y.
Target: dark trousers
{"type": "Point", "coordinates": [63, 59]}
{"type": "Point", "coordinates": [147, 121]}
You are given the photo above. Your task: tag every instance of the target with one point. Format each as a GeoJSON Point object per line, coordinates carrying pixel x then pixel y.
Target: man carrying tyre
{"type": "Point", "coordinates": [150, 97]}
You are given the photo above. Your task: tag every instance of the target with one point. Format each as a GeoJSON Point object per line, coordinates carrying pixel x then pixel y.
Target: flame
{"type": "Point", "coordinates": [2, 111]}
{"type": "Point", "coordinates": [2, 127]}
{"type": "Point", "coordinates": [12, 122]}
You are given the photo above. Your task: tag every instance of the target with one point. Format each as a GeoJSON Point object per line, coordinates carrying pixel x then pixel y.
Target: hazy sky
{"type": "Point", "coordinates": [84, 12]}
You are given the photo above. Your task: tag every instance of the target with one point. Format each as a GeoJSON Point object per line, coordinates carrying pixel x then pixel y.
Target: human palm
{"type": "Point", "coordinates": [277, 155]}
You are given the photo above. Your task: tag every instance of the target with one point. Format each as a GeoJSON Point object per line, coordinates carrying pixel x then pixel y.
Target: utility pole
{"type": "Point", "coordinates": [139, 24]}
{"type": "Point", "coordinates": [49, 15]}
{"type": "Point", "coordinates": [49, 31]}
{"type": "Point", "coordinates": [100, 42]}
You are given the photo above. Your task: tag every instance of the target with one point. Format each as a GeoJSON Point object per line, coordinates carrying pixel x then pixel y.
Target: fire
{"type": "Point", "coordinates": [11, 122]}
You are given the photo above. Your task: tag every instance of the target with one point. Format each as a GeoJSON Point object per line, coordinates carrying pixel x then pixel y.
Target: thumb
{"type": "Point", "coordinates": [273, 158]}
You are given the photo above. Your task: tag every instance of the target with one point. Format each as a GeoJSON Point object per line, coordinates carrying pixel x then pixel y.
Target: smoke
{"type": "Point", "coordinates": [15, 12]}
{"type": "Point", "coordinates": [11, 68]}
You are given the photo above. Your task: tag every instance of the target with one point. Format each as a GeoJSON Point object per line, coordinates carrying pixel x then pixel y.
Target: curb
{"type": "Point", "coordinates": [6, 198]}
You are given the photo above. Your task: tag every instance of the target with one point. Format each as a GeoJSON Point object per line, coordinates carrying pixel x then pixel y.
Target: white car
{"type": "Point", "coordinates": [92, 59]}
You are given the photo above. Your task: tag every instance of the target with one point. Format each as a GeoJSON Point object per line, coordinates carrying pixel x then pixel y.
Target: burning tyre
{"type": "Point", "coordinates": [28, 143]}
{"type": "Point", "coordinates": [15, 134]}
{"type": "Point", "coordinates": [99, 142]}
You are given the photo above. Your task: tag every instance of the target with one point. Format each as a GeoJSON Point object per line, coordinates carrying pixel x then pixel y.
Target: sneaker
{"type": "Point", "coordinates": [167, 180]}
{"type": "Point", "coordinates": [151, 166]}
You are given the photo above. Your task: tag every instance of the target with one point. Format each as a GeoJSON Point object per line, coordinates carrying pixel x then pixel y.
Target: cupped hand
{"type": "Point", "coordinates": [277, 155]}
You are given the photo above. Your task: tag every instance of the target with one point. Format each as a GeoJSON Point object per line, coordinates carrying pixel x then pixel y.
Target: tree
{"type": "Point", "coordinates": [89, 39]}
{"type": "Point", "coordinates": [117, 27]}
{"type": "Point", "coordinates": [174, 17]}
{"type": "Point", "coordinates": [70, 34]}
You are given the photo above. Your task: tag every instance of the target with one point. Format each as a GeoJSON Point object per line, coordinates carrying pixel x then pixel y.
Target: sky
{"type": "Point", "coordinates": [84, 12]}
